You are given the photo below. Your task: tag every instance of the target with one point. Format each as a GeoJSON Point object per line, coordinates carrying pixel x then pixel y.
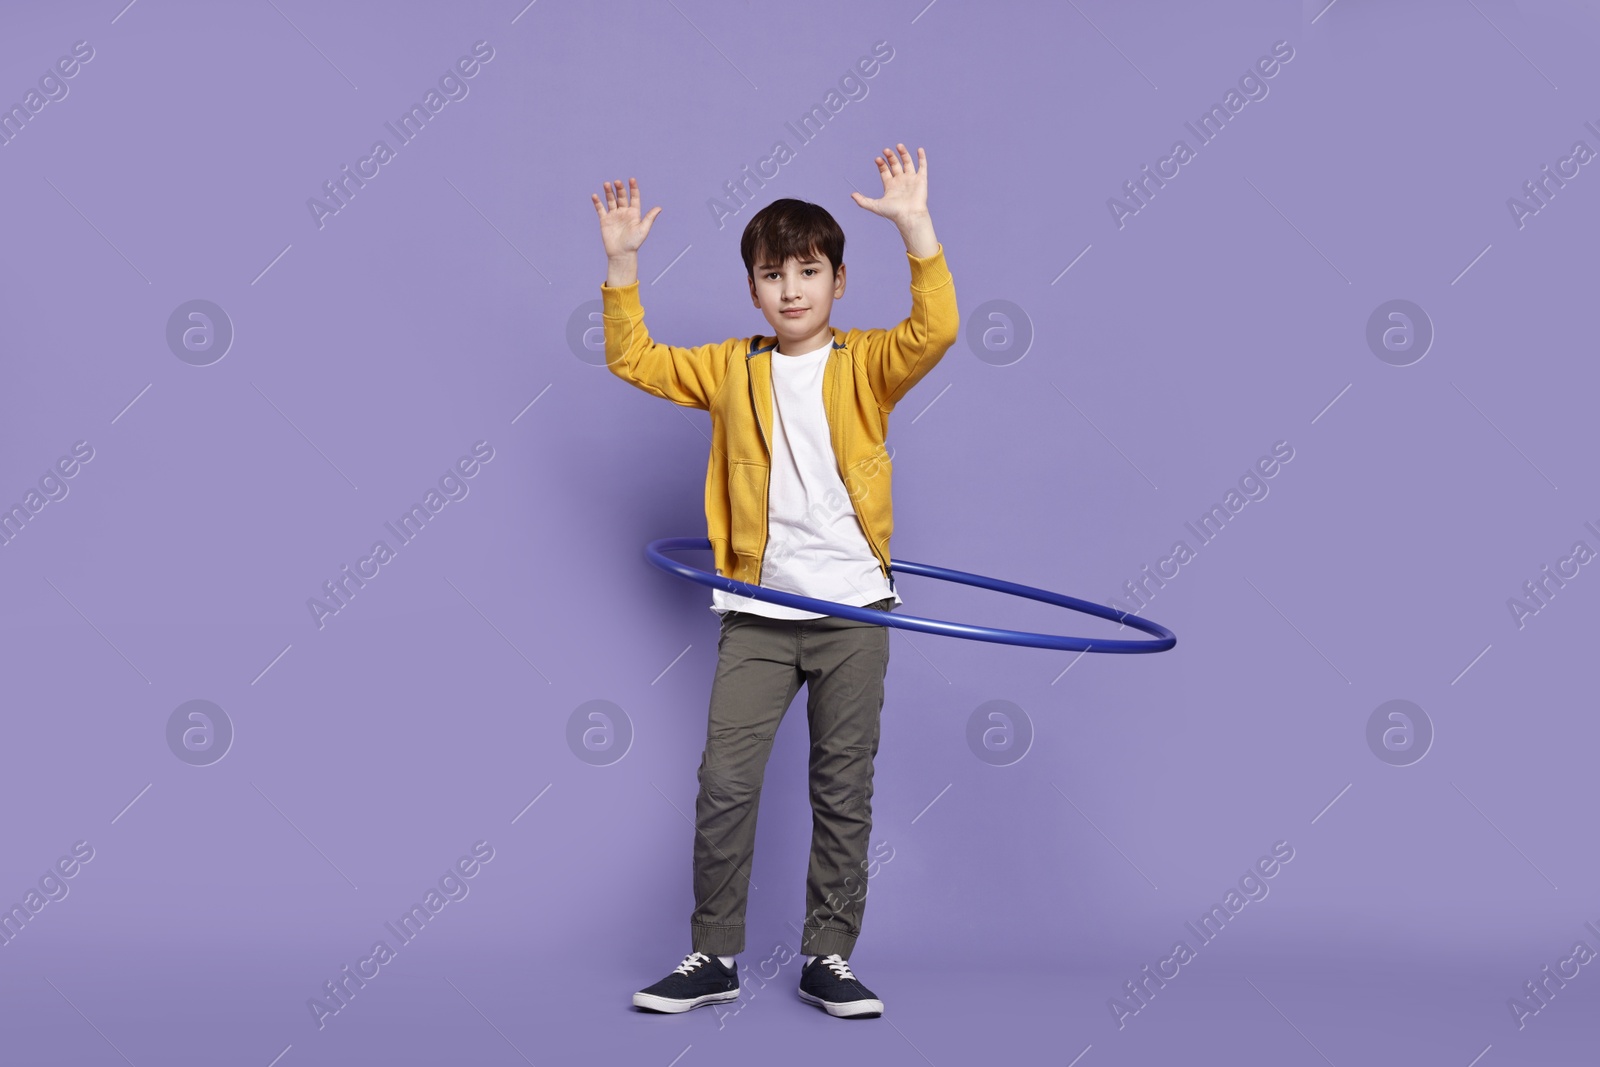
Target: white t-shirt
{"type": "Point", "coordinates": [815, 545]}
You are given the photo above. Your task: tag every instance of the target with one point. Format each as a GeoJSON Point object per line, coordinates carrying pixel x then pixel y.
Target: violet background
{"type": "Point", "coordinates": [427, 715]}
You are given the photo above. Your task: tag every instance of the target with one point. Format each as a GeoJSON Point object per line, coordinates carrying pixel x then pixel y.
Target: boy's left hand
{"type": "Point", "coordinates": [905, 186]}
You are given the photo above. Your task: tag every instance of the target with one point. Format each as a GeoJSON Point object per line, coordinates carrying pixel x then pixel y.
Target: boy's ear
{"type": "Point", "coordinates": [838, 282]}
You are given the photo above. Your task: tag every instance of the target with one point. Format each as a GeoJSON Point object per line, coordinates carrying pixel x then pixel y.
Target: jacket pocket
{"type": "Point", "coordinates": [747, 498]}
{"type": "Point", "coordinates": [870, 481]}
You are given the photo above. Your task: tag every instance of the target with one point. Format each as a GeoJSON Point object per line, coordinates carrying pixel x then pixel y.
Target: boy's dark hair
{"type": "Point", "coordinates": [790, 227]}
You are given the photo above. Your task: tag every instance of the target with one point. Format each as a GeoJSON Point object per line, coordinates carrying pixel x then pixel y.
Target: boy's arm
{"type": "Point", "coordinates": [898, 359]}
{"type": "Point", "coordinates": [687, 376]}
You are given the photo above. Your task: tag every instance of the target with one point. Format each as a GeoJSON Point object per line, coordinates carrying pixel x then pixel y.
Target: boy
{"type": "Point", "coordinates": [797, 499]}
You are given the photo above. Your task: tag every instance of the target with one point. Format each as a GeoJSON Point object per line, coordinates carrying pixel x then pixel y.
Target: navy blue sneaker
{"type": "Point", "coordinates": [828, 983]}
{"type": "Point", "coordinates": [699, 979]}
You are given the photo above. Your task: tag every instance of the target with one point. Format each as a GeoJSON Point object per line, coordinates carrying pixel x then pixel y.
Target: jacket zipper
{"type": "Point", "coordinates": [844, 480]}
{"type": "Point", "coordinates": [766, 489]}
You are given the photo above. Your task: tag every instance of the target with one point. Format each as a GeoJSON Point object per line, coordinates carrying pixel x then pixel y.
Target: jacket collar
{"type": "Point", "coordinates": [757, 347]}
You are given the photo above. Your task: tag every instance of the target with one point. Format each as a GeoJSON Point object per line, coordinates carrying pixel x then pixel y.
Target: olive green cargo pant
{"type": "Point", "coordinates": [761, 664]}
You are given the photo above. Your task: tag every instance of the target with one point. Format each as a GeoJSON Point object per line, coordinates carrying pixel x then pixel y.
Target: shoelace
{"type": "Point", "coordinates": [690, 962]}
{"type": "Point", "coordinates": [839, 967]}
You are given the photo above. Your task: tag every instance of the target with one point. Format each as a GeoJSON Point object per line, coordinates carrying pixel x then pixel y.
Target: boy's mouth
{"type": "Point", "coordinates": [794, 312]}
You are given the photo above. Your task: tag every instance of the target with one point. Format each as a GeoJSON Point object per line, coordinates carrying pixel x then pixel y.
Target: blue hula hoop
{"type": "Point", "coordinates": [656, 551]}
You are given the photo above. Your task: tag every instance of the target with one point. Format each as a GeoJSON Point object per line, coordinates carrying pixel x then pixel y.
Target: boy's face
{"type": "Point", "coordinates": [796, 298]}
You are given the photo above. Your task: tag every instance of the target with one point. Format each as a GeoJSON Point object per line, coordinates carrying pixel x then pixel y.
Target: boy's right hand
{"type": "Point", "coordinates": [621, 228]}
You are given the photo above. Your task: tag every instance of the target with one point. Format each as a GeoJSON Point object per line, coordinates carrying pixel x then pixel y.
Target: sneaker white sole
{"type": "Point", "coordinates": [655, 1003]}
{"type": "Point", "coordinates": [848, 1009]}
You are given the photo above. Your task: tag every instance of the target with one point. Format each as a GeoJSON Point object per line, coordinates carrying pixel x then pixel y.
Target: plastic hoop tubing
{"type": "Point", "coordinates": [656, 551]}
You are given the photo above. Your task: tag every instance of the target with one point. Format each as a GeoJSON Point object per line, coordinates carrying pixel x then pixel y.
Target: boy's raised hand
{"type": "Point", "coordinates": [621, 228]}
{"type": "Point", "coordinates": [905, 186]}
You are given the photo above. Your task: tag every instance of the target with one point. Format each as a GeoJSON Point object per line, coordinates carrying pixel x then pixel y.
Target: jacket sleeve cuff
{"type": "Point", "coordinates": [928, 272]}
{"type": "Point", "coordinates": [620, 302]}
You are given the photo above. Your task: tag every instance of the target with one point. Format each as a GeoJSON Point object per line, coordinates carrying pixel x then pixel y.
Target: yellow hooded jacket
{"type": "Point", "coordinates": [866, 375]}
